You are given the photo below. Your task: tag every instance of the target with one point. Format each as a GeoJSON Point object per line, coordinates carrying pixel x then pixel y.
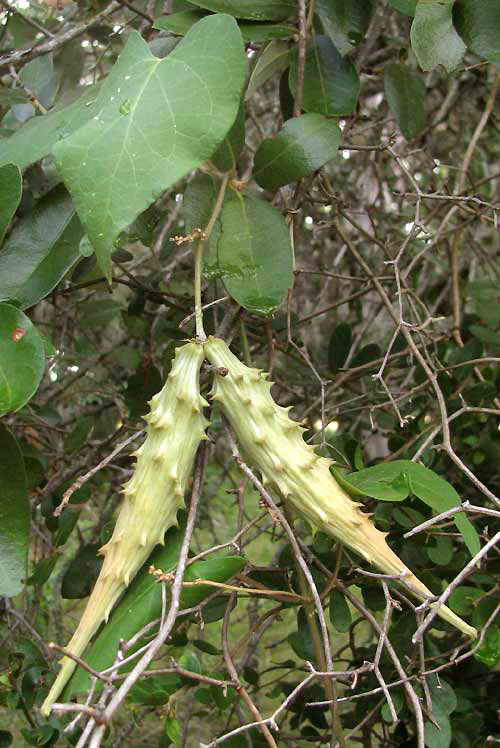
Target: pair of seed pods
{"type": "Point", "coordinates": [271, 441]}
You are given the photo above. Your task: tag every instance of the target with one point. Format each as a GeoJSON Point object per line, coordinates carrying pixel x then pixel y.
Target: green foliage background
{"type": "Point", "coordinates": [345, 156]}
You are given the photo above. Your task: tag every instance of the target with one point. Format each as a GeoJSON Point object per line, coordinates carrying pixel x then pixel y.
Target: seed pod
{"type": "Point", "coordinates": [275, 445]}
{"type": "Point", "coordinates": [151, 500]}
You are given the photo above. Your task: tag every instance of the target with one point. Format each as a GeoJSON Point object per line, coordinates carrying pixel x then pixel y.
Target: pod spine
{"type": "Point", "coordinates": [151, 498]}
{"type": "Point", "coordinates": [274, 443]}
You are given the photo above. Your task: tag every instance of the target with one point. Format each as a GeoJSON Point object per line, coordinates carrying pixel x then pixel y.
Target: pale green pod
{"type": "Point", "coordinates": [151, 499]}
{"type": "Point", "coordinates": [274, 443]}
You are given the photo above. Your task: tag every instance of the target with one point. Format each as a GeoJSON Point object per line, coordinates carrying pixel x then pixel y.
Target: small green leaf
{"type": "Point", "coordinates": [206, 647]}
{"type": "Point", "coordinates": [381, 482]}
{"type": "Point", "coordinates": [339, 346]}
{"type": "Point", "coordinates": [463, 598]}
{"type": "Point", "coordinates": [42, 571]}
{"type": "Point", "coordinates": [14, 515]}
{"type": "Point", "coordinates": [303, 146]}
{"type": "Point", "coordinates": [433, 37]}
{"type": "Point", "coordinates": [11, 189]}
{"type": "Point", "coordinates": [489, 651]}
{"type": "Point", "coordinates": [440, 550]}
{"type": "Point", "coordinates": [254, 254]}
{"type": "Point", "coordinates": [9, 96]}
{"type": "Point", "coordinates": [6, 738]}
{"type": "Point", "coordinates": [438, 734]}
{"type": "Point", "coordinates": [41, 79]}
{"type": "Point", "coordinates": [331, 83]}
{"type": "Point", "coordinates": [257, 10]}
{"type": "Point", "coordinates": [340, 614]}
{"type": "Point", "coordinates": [155, 690]}
{"type": "Point", "coordinates": [42, 247]}
{"type": "Point", "coordinates": [478, 23]}
{"type": "Point", "coordinates": [345, 21]}
{"type": "Point", "coordinates": [442, 693]}
{"type": "Point", "coordinates": [405, 93]}
{"type": "Point", "coordinates": [273, 60]}
{"type": "Point", "coordinates": [22, 358]}
{"type": "Point", "coordinates": [156, 120]}
{"type": "Point", "coordinates": [370, 352]}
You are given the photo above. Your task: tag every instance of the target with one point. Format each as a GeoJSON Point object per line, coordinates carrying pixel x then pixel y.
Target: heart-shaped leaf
{"type": "Point", "coordinates": [155, 120]}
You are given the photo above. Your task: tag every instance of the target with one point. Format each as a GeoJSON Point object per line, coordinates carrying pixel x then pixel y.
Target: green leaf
{"type": "Point", "coordinates": [433, 37]}
{"type": "Point", "coordinates": [407, 7]}
{"type": "Point", "coordinates": [438, 735]}
{"type": "Point", "coordinates": [345, 21]}
{"type": "Point", "coordinates": [340, 614]}
{"type": "Point", "coordinates": [370, 352]}
{"type": "Point", "coordinates": [142, 603]}
{"type": "Point", "coordinates": [6, 738]}
{"type": "Point", "coordinates": [226, 156]}
{"type": "Point", "coordinates": [174, 732]}
{"type": "Point", "coordinates": [11, 189]}
{"type": "Point", "coordinates": [489, 651]}
{"type": "Point", "coordinates": [442, 693]}
{"type": "Point", "coordinates": [478, 23]}
{"type": "Point", "coordinates": [331, 83]}
{"type": "Point", "coordinates": [82, 572]}
{"type": "Point", "coordinates": [40, 78]}
{"type": "Point", "coordinates": [273, 60]}
{"type": "Point", "coordinates": [22, 358]}
{"type": "Point", "coordinates": [339, 346]}
{"type": "Point", "coordinates": [36, 138]}
{"type": "Point", "coordinates": [180, 23]}
{"type": "Point", "coordinates": [42, 247]}
{"type": "Point", "coordinates": [14, 515]}
{"type": "Point", "coordinates": [9, 96]}
{"type": "Point", "coordinates": [440, 550]}
{"type": "Point", "coordinates": [303, 146]}
{"type": "Point", "coordinates": [256, 10]}
{"type": "Point", "coordinates": [462, 600]}
{"type": "Point", "coordinates": [155, 121]}
{"type": "Point", "coordinates": [405, 93]}
{"type": "Point", "coordinates": [155, 690]}
{"type": "Point", "coordinates": [255, 254]}
{"type": "Point", "coordinates": [384, 482]}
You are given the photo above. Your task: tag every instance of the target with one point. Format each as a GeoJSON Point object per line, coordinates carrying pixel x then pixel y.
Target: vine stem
{"type": "Point", "coordinates": [198, 258]}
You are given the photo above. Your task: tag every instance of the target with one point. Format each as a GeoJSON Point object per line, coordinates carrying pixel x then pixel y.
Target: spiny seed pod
{"type": "Point", "coordinates": [151, 500]}
{"type": "Point", "coordinates": [275, 445]}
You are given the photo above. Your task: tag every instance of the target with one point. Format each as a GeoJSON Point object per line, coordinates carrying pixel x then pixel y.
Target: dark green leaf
{"type": "Point", "coordinates": [440, 550]}
{"type": "Point", "coordinates": [339, 346]}
{"type": "Point", "coordinates": [405, 93]}
{"type": "Point", "coordinates": [433, 37]}
{"type": "Point", "coordinates": [22, 358]}
{"type": "Point", "coordinates": [77, 437]}
{"type": "Point", "coordinates": [438, 734]}
{"type": "Point", "coordinates": [14, 515]}
{"type": "Point", "coordinates": [11, 189]}
{"type": "Point", "coordinates": [36, 138]}
{"type": "Point", "coordinates": [42, 571]}
{"type": "Point", "coordinates": [121, 161]}
{"type": "Point", "coordinates": [6, 738]}
{"type": "Point", "coordinates": [273, 60]}
{"type": "Point", "coordinates": [226, 156]}
{"type": "Point", "coordinates": [80, 576]}
{"type": "Point", "coordinates": [42, 247]}
{"type": "Point", "coordinates": [442, 694]}
{"type": "Point", "coordinates": [407, 7]}
{"type": "Point", "coordinates": [478, 23]}
{"type": "Point", "coordinates": [331, 83]}
{"type": "Point", "coordinates": [206, 647]}
{"type": "Point", "coordinates": [489, 651]}
{"type": "Point", "coordinates": [99, 312]}
{"type": "Point", "coordinates": [340, 614]}
{"type": "Point", "coordinates": [180, 23]}
{"type": "Point", "coordinates": [370, 352]}
{"type": "Point", "coordinates": [254, 254]}
{"type": "Point", "coordinates": [155, 689]}
{"type": "Point", "coordinates": [141, 387]}
{"type": "Point", "coordinates": [43, 735]}
{"type": "Point", "coordinates": [303, 146]}
{"type": "Point", "coordinates": [256, 10]}
{"type": "Point", "coordinates": [463, 598]}
{"type": "Point", "coordinates": [345, 21]}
